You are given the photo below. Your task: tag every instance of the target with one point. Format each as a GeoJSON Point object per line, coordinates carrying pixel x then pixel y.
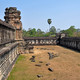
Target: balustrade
{"type": "Point", "coordinates": [72, 42]}
{"type": "Point", "coordinates": [40, 40]}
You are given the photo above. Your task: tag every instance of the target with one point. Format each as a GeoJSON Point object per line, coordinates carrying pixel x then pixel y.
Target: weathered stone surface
{"type": "Point", "coordinates": [39, 65]}
{"type": "Point", "coordinates": [47, 64]}
{"type": "Point", "coordinates": [10, 31]}
{"type": "Point", "coordinates": [51, 56]}
{"type": "Point", "coordinates": [39, 76]}
{"type": "Point", "coordinates": [50, 69]}
{"type": "Point", "coordinates": [6, 33]}
{"type": "Point", "coordinates": [8, 54]}
{"type": "Point", "coordinates": [32, 59]}
{"type": "Point", "coordinates": [40, 41]}
{"type": "Point", "coordinates": [12, 16]}
{"type": "Point", "coordinates": [70, 42]}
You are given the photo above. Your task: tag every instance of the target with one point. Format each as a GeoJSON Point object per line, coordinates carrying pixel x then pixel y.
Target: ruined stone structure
{"type": "Point", "coordinates": [8, 56]}
{"type": "Point", "coordinates": [10, 40]}
{"type": "Point", "coordinates": [8, 48]}
{"type": "Point", "coordinates": [40, 40]}
{"type": "Point", "coordinates": [7, 33]}
{"type": "Point", "coordinates": [71, 42]}
{"type": "Point", "coordinates": [12, 16]}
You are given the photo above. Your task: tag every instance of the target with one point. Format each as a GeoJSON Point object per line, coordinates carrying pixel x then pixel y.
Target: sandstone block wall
{"type": "Point", "coordinates": [12, 16]}
{"type": "Point", "coordinates": [72, 42]}
{"type": "Point", "coordinates": [7, 57]}
{"type": "Point", "coordinates": [6, 32]}
{"type": "Point", "coordinates": [10, 39]}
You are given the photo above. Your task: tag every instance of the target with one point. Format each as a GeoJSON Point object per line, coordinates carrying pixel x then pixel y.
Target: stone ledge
{"type": "Point", "coordinates": [6, 42]}
{"type": "Point", "coordinates": [6, 25]}
{"type": "Point", "coordinates": [5, 76]}
{"type": "Point", "coordinates": [7, 49]}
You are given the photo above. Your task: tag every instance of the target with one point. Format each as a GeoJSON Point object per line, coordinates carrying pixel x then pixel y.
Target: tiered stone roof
{"type": "Point", "coordinates": [11, 13]}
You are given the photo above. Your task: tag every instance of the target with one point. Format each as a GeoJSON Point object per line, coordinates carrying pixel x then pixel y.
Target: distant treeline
{"type": "Point", "coordinates": [71, 32]}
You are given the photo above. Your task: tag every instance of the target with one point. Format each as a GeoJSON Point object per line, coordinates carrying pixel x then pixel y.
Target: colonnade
{"type": "Point", "coordinates": [72, 42]}
{"type": "Point", "coordinates": [41, 42]}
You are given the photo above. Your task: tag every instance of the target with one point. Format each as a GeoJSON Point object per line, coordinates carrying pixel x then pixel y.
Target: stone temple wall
{"type": "Point", "coordinates": [7, 33]}
{"type": "Point", "coordinates": [71, 42]}
{"type": "Point", "coordinates": [10, 39]}
{"type": "Point", "coordinates": [8, 55]}
{"type": "Point", "coordinates": [12, 16]}
{"type": "Point", "coordinates": [8, 48]}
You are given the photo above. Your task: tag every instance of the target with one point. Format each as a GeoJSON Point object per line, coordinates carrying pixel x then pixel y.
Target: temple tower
{"type": "Point", "coordinates": [12, 16]}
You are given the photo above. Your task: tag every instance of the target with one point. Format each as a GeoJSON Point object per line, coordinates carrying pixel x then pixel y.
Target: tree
{"type": "Point", "coordinates": [39, 31]}
{"type": "Point", "coordinates": [24, 33]}
{"type": "Point", "coordinates": [77, 33]}
{"type": "Point", "coordinates": [49, 22]}
{"type": "Point", "coordinates": [70, 32]}
{"type": "Point", "coordinates": [53, 30]}
{"type": "Point", "coordinates": [58, 30]}
{"type": "Point", "coordinates": [32, 32]}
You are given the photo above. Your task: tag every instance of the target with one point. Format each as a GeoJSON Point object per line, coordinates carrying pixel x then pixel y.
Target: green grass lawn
{"type": "Point", "coordinates": [19, 72]}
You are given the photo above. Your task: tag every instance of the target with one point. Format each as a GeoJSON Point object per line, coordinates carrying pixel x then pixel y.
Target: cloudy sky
{"type": "Point", "coordinates": [34, 13]}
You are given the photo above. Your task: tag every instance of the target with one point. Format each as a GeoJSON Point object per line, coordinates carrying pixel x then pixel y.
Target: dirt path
{"type": "Point", "coordinates": [65, 67]}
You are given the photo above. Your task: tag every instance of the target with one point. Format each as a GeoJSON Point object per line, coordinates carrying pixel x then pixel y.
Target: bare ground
{"type": "Point", "coordinates": [65, 67]}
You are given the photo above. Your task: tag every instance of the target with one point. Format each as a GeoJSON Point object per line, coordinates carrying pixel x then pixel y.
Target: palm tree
{"type": "Point", "coordinates": [49, 22]}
